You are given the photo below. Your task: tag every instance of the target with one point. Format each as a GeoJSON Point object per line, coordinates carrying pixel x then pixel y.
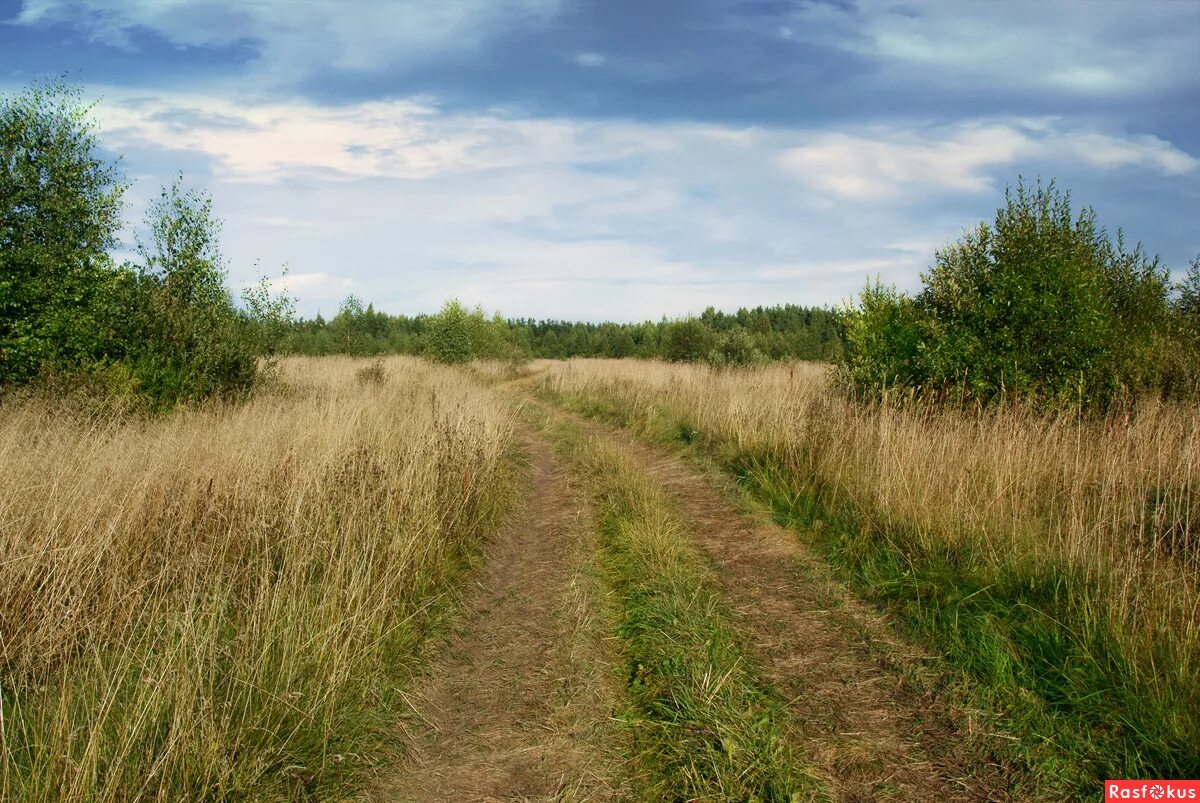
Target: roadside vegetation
{"type": "Point", "coordinates": [1052, 558]}
{"type": "Point", "coordinates": [222, 604]}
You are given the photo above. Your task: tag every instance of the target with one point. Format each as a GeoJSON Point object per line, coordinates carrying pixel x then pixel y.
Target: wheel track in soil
{"type": "Point", "coordinates": [859, 696]}
{"type": "Point", "coordinates": [519, 704]}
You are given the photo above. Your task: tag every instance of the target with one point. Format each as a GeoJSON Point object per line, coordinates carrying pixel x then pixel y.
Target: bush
{"type": "Point", "coordinates": [182, 335]}
{"type": "Point", "coordinates": [1040, 305]}
{"type": "Point", "coordinates": [882, 340]}
{"type": "Point", "coordinates": [448, 335]}
{"type": "Point", "coordinates": [162, 331]}
{"type": "Point", "coordinates": [687, 340]}
{"type": "Point", "coordinates": [457, 335]}
{"type": "Point", "coordinates": [734, 348]}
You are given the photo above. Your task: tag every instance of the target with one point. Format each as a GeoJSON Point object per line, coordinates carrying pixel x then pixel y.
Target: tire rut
{"type": "Point", "coordinates": [518, 705]}
{"type": "Point", "coordinates": [864, 717]}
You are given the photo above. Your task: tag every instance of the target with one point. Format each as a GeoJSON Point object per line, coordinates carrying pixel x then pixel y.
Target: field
{"type": "Point", "coordinates": [593, 579]}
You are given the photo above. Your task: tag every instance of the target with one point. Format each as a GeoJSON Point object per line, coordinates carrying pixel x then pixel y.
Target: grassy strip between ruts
{"type": "Point", "coordinates": [1035, 666]}
{"type": "Point", "coordinates": [704, 724]}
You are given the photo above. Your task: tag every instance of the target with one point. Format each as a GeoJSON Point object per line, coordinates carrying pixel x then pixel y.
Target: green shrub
{"type": "Point", "coordinates": [448, 335]}
{"type": "Point", "coordinates": [882, 340]}
{"type": "Point", "coordinates": [687, 340]}
{"type": "Point", "coordinates": [180, 332]}
{"type": "Point", "coordinates": [161, 331]}
{"type": "Point", "coordinates": [1041, 305]}
{"type": "Point", "coordinates": [733, 349]}
{"type": "Point", "coordinates": [458, 335]}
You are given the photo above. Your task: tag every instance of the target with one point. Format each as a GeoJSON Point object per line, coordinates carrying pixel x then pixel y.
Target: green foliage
{"type": "Point", "coordinates": [687, 340]}
{"type": "Point", "coordinates": [883, 338]}
{"type": "Point", "coordinates": [181, 334]}
{"type": "Point", "coordinates": [1189, 293]}
{"type": "Point", "coordinates": [1041, 305]}
{"type": "Point", "coordinates": [785, 332]}
{"type": "Point", "coordinates": [458, 335]}
{"type": "Point", "coordinates": [162, 331]}
{"type": "Point", "coordinates": [270, 315]}
{"type": "Point", "coordinates": [449, 335]}
{"type": "Point", "coordinates": [60, 207]}
{"type": "Point", "coordinates": [734, 348]}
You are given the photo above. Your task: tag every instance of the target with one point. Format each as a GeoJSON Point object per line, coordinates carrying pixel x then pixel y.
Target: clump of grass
{"type": "Point", "coordinates": [704, 724]}
{"type": "Point", "coordinates": [373, 373]}
{"type": "Point", "coordinates": [219, 604]}
{"type": "Point", "coordinates": [1047, 555]}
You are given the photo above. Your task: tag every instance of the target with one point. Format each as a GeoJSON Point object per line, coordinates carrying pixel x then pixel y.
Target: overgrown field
{"type": "Point", "coordinates": [220, 603]}
{"type": "Point", "coordinates": [1053, 559]}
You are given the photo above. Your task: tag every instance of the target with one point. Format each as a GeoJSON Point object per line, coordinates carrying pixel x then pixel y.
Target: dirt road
{"type": "Point", "coordinates": [519, 704]}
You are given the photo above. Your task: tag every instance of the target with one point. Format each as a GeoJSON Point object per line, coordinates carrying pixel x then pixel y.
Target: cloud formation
{"type": "Point", "coordinates": [964, 157]}
{"type": "Point", "coordinates": [623, 159]}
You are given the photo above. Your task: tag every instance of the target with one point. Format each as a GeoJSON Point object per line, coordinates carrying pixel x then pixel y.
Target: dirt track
{"type": "Point", "coordinates": [519, 704]}
{"type": "Point", "coordinates": [856, 692]}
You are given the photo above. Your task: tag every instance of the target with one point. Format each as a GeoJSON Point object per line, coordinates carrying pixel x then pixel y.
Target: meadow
{"type": "Point", "coordinates": [1051, 558]}
{"type": "Point", "coordinates": [238, 600]}
{"type": "Point", "coordinates": [220, 603]}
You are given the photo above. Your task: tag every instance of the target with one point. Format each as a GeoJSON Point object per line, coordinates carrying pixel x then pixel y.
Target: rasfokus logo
{"type": "Point", "coordinates": [1152, 790]}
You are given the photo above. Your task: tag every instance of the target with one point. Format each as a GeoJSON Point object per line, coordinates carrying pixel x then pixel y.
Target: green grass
{"type": "Point", "coordinates": [1036, 662]}
{"type": "Point", "coordinates": [704, 723]}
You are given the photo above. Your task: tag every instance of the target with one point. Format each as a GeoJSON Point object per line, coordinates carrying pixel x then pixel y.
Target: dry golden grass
{"type": "Point", "coordinates": [214, 604]}
{"type": "Point", "coordinates": [1007, 495]}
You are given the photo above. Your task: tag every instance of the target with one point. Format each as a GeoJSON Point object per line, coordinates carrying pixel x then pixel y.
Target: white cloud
{"type": "Point", "coordinates": [312, 285]}
{"type": "Point", "coordinates": [589, 59]}
{"type": "Point", "coordinates": [412, 203]}
{"type": "Point", "coordinates": [1115, 47]}
{"type": "Point", "coordinates": [398, 139]}
{"type": "Point", "coordinates": [880, 164]}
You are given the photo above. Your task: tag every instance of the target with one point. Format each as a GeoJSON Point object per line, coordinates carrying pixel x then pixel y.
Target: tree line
{"type": "Point", "coordinates": [785, 332]}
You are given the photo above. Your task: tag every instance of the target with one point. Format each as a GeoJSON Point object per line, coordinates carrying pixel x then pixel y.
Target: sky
{"type": "Point", "coordinates": [627, 159]}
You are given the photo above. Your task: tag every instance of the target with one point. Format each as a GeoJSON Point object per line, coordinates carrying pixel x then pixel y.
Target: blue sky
{"type": "Point", "coordinates": [624, 160]}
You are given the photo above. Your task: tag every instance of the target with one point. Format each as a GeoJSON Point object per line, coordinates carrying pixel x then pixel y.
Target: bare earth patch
{"type": "Point", "coordinates": [863, 711]}
{"type": "Point", "coordinates": [519, 704]}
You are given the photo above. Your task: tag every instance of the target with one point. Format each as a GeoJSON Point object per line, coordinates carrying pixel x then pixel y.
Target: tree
{"type": "Point", "coordinates": [686, 340]}
{"type": "Point", "coordinates": [60, 207]}
{"type": "Point", "coordinates": [1041, 304]}
{"type": "Point", "coordinates": [449, 334]}
{"type": "Point", "coordinates": [734, 348]}
{"type": "Point", "coordinates": [1189, 293]}
{"type": "Point", "coordinates": [180, 331]}
{"type": "Point", "coordinates": [270, 315]}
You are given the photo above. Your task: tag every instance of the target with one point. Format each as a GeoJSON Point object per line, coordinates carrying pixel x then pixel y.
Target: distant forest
{"type": "Point", "coordinates": [783, 332]}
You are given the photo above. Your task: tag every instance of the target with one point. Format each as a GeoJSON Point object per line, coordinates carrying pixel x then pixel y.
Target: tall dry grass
{"type": "Point", "coordinates": [215, 604]}
{"type": "Point", "coordinates": [1095, 522]}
